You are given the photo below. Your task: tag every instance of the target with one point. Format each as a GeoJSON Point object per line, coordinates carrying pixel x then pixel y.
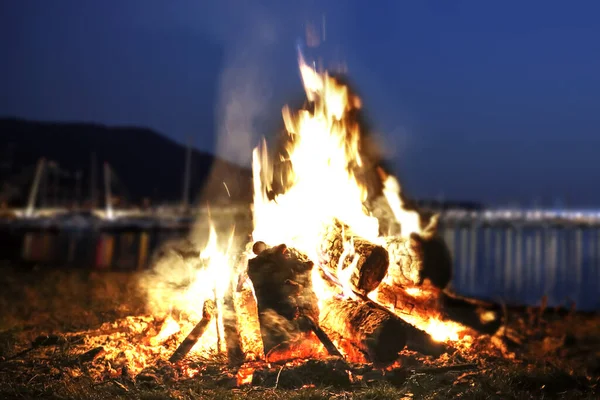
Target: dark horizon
{"type": "Point", "coordinates": [494, 103]}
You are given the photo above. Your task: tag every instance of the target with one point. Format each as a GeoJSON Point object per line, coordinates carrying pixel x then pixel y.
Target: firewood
{"type": "Point", "coordinates": [378, 333]}
{"type": "Point", "coordinates": [235, 354]}
{"type": "Point", "coordinates": [373, 260]}
{"type": "Point", "coordinates": [484, 317]}
{"type": "Point", "coordinates": [324, 338]}
{"type": "Point", "coordinates": [427, 302]}
{"type": "Point", "coordinates": [91, 355]}
{"type": "Point", "coordinates": [282, 283]}
{"type": "Point", "coordinates": [406, 261]}
{"type": "Point", "coordinates": [418, 258]}
{"type": "Point", "coordinates": [437, 260]}
{"type": "Point", "coordinates": [208, 312]}
{"type": "Point", "coordinates": [416, 339]}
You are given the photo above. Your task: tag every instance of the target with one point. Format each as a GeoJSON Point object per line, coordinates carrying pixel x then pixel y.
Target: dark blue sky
{"type": "Point", "coordinates": [492, 101]}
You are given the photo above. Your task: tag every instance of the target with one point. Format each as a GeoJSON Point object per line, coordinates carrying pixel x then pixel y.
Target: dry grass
{"type": "Point", "coordinates": [560, 357]}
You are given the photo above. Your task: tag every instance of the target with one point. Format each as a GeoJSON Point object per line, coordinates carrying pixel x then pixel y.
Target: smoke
{"type": "Point", "coordinates": [244, 92]}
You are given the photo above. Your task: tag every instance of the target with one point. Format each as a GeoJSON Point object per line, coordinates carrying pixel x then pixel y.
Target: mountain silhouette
{"type": "Point", "coordinates": [143, 164]}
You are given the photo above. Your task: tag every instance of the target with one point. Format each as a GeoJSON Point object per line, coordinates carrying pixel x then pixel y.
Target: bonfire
{"type": "Point", "coordinates": [337, 266]}
{"type": "Point", "coordinates": [339, 283]}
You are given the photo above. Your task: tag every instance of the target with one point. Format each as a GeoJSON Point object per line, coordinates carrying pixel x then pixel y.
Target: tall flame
{"type": "Point", "coordinates": [319, 185]}
{"type": "Point", "coordinates": [298, 193]}
{"type": "Point", "coordinates": [323, 150]}
{"type": "Point", "coordinates": [179, 286]}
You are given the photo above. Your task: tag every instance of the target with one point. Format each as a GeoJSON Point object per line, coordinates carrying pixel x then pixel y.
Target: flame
{"type": "Point", "coordinates": [323, 150]}
{"type": "Point", "coordinates": [169, 328]}
{"type": "Point", "coordinates": [299, 192]}
{"type": "Point", "coordinates": [409, 220]}
{"type": "Point", "coordinates": [244, 376]}
{"type": "Point", "coordinates": [177, 289]}
{"type": "Point", "coordinates": [319, 186]}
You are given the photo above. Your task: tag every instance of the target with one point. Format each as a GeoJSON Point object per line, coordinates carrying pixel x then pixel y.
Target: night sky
{"type": "Point", "coordinates": [490, 101]}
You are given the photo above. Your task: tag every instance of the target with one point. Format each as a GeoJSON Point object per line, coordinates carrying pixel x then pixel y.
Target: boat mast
{"type": "Point", "coordinates": [34, 188]}
{"type": "Point", "coordinates": [186, 177]}
{"type": "Point", "coordinates": [78, 189]}
{"type": "Point", "coordinates": [93, 182]}
{"type": "Point", "coordinates": [108, 200]}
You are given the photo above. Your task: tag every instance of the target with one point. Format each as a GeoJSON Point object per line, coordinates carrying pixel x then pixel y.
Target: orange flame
{"type": "Point", "coordinates": [320, 186]}
{"type": "Point", "coordinates": [322, 151]}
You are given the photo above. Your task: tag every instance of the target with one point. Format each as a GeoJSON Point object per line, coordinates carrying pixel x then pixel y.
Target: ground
{"type": "Point", "coordinates": [57, 326]}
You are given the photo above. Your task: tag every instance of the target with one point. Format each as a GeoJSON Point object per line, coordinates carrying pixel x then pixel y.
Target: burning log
{"type": "Point", "coordinates": [235, 355]}
{"type": "Point", "coordinates": [418, 258]}
{"type": "Point", "coordinates": [437, 260]}
{"type": "Point", "coordinates": [481, 316]}
{"type": "Point", "coordinates": [287, 305]}
{"type": "Point", "coordinates": [406, 261]}
{"type": "Point", "coordinates": [426, 302]}
{"type": "Point", "coordinates": [208, 312]}
{"type": "Point", "coordinates": [378, 334]}
{"type": "Point", "coordinates": [373, 260]}
{"type": "Point", "coordinates": [375, 330]}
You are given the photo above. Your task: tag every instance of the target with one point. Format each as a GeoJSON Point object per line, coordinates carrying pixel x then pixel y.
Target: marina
{"type": "Point", "coordinates": [513, 256]}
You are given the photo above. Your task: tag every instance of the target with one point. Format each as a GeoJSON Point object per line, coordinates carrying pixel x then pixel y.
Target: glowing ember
{"type": "Point", "coordinates": [244, 376]}
{"type": "Point", "coordinates": [169, 328]}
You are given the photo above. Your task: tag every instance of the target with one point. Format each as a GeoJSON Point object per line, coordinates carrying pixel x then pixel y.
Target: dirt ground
{"type": "Point", "coordinates": [56, 327]}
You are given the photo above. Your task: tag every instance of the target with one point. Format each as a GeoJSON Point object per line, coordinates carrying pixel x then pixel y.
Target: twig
{"type": "Point", "coordinates": [445, 368]}
{"type": "Point", "coordinates": [464, 376]}
{"type": "Point", "coordinates": [322, 336]}
{"type": "Point", "coordinates": [32, 378]}
{"type": "Point", "coordinates": [119, 384]}
{"type": "Point", "coordinates": [208, 311]}
{"type": "Point", "coordinates": [277, 380]}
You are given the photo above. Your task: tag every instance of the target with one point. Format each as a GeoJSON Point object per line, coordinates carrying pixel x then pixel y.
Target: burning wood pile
{"type": "Point", "coordinates": [341, 285]}
{"type": "Point", "coordinates": [337, 265]}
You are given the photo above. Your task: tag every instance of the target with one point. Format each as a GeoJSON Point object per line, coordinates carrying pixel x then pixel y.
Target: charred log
{"type": "Point", "coordinates": [285, 300]}
{"type": "Point", "coordinates": [208, 312]}
{"type": "Point", "coordinates": [376, 332]}
{"type": "Point", "coordinates": [437, 260]}
{"type": "Point", "coordinates": [373, 260]}
{"type": "Point", "coordinates": [416, 339]}
{"type": "Point", "coordinates": [484, 317]}
{"type": "Point", "coordinates": [426, 302]}
{"type": "Point", "coordinates": [235, 354]}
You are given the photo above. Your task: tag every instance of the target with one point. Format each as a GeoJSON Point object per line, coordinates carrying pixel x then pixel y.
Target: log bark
{"type": "Point", "coordinates": [208, 312]}
{"type": "Point", "coordinates": [282, 283]}
{"type": "Point", "coordinates": [427, 302]}
{"type": "Point", "coordinates": [371, 267]}
{"type": "Point", "coordinates": [406, 261]}
{"type": "Point", "coordinates": [418, 258]}
{"type": "Point", "coordinates": [437, 260]}
{"type": "Point", "coordinates": [235, 354]}
{"type": "Point", "coordinates": [416, 339]}
{"type": "Point", "coordinates": [376, 332]}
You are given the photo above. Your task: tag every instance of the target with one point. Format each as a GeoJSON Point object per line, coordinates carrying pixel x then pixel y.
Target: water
{"type": "Point", "coordinates": [521, 263]}
{"type": "Point", "coordinates": [513, 262]}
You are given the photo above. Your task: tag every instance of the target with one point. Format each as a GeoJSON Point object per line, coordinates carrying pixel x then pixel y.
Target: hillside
{"type": "Point", "coordinates": [145, 163]}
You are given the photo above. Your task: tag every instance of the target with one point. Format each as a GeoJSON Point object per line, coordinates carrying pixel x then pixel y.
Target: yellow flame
{"type": "Point", "coordinates": [320, 186]}
{"type": "Point", "coordinates": [322, 150]}
{"type": "Point", "coordinates": [179, 286]}
{"type": "Point", "coordinates": [169, 328]}
{"type": "Point", "coordinates": [409, 220]}
{"type": "Point", "coordinates": [292, 205]}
